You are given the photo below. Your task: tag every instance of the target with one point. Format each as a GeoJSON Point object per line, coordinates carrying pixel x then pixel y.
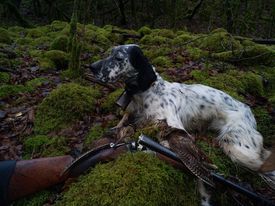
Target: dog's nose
{"type": "Point", "coordinates": [95, 67]}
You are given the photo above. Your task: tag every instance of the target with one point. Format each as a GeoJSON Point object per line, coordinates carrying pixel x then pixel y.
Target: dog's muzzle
{"type": "Point", "coordinates": [96, 66]}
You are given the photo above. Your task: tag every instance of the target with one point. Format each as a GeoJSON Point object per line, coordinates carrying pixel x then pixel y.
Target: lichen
{"type": "Point", "coordinates": [60, 43]}
{"type": "Point", "coordinates": [133, 179]}
{"type": "Point", "coordinates": [64, 105]}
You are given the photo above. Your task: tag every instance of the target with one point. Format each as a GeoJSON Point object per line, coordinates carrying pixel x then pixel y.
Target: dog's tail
{"type": "Point", "coordinates": [267, 169]}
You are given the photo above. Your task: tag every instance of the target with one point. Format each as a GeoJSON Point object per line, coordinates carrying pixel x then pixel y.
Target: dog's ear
{"type": "Point", "coordinates": [146, 74]}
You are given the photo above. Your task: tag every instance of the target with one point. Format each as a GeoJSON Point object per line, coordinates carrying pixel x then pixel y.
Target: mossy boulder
{"type": "Point", "coordinates": [64, 105]}
{"type": "Point", "coordinates": [59, 58]}
{"type": "Point", "coordinates": [144, 30]}
{"type": "Point", "coordinates": [23, 41]}
{"type": "Point", "coordinates": [46, 64]}
{"type": "Point", "coordinates": [133, 179]}
{"type": "Point", "coordinates": [57, 25]}
{"type": "Point", "coordinates": [219, 41]}
{"type": "Point", "coordinates": [35, 33]}
{"type": "Point", "coordinates": [41, 42]}
{"type": "Point", "coordinates": [5, 36]}
{"type": "Point", "coordinates": [168, 33]}
{"type": "Point", "coordinates": [44, 146]}
{"type": "Point", "coordinates": [60, 43]}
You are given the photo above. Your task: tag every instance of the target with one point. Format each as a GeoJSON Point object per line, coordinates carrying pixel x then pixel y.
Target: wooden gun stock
{"type": "Point", "coordinates": [31, 176]}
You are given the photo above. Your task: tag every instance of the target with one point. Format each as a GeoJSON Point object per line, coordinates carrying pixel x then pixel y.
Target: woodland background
{"type": "Point", "coordinates": [50, 105]}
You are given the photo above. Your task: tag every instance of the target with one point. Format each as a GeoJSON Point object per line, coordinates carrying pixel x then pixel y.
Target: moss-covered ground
{"type": "Point", "coordinates": [63, 114]}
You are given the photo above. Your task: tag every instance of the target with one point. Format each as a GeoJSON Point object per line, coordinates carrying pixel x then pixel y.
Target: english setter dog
{"type": "Point", "coordinates": [186, 107]}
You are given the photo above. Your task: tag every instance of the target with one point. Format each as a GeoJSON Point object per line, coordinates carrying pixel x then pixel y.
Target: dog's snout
{"type": "Point", "coordinates": [95, 67]}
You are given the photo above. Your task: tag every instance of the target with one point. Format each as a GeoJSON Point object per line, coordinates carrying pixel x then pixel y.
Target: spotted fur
{"type": "Point", "coordinates": [187, 107]}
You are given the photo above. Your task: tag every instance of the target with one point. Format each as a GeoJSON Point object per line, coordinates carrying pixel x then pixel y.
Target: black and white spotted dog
{"type": "Point", "coordinates": [185, 106]}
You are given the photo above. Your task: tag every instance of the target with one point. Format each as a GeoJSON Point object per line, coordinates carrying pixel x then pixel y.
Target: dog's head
{"type": "Point", "coordinates": [125, 62]}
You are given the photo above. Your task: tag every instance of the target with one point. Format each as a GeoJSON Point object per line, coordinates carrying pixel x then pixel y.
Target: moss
{"type": "Point", "coordinates": [168, 33]}
{"type": "Point", "coordinates": [95, 133]}
{"type": "Point", "coordinates": [24, 41]}
{"type": "Point", "coordinates": [133, 179]}
{"type": "Point", "coordinates": [252, 83]}
{"type": "Point", "coordinates": [60, 43]}
{"type": "Point", "coordinates": [181, 39]}
{"type": "Point", "coordinates": [59, 58]}
{"type": "Point", "coordinates": [265, 125]}
{"type": "Point", "coordinates": [4, 78]}
{"type": "Point", "coordinates": [108, 104]}
{"type": "Point", "coordinates": [35, 33]}
{"type": "Point", "coordinates": [156, 51]}
{"type": "Point", "coordinates": [5, 36]}
{"type": "Point", "coordinates": [154, 40]}
{"type": "Point", "coordinates": [144, 30]}
{"type": "Point", "coordinates": [162, 61]}
{"type": "Point", "coordinates": [99, 37]}
{"type": "Point", "coordinates": [196, 53]}
{"type": "Point", "coordinates": [17, 29]}
{"type": "Point", "coordinates": [44, 146]}
{"type": "Point", "coordinates": [34, 83]}
{"type": "Point", "coordinates": [46, 64]}
{"type": "Point", "coordinates": [41, 42]}
{"type": "Point", "coordinates": [36, 53]}
{"type": "Point", "coordinates": [64, 105]}
{"type": "Point", "coordinates": [7, 90]}
{"type": "Point", "coordinates": [58, 25]}
{"type": "Point", "coordinates": [37, 199]}
{"type": "Point", "coordinates": [219, 42]}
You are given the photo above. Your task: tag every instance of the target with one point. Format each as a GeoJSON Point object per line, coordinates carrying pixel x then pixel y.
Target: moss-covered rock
{"type": "Point", "coordinates": [144, 30]}
{"type": "Point", "coordinates": [168, 33]}
{"type": "Point", "coordinates": [44, 146]}
{"type": "Point", "coordinates": [5, 36]}
{"type": "Point", "coordinates": [134, 179]}
{"type": "Point", "coordinates": [59, 58]}
{"type": "Point", "coordinates": [219, 41]}
{"type": "Point", "coordinates": [41, 42]}
{"type": "Point", "coordinates": [35, 33]}
{"type": "Point", "coordinates": [60, 43]}
{"type": "Point", "coordinates": [64, 105]}
{"type": "Point", "coordinates": [57, 25]}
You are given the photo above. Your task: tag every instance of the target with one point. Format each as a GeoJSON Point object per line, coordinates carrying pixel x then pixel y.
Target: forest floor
{"type": "Point", "coordinates": [45, 113]}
